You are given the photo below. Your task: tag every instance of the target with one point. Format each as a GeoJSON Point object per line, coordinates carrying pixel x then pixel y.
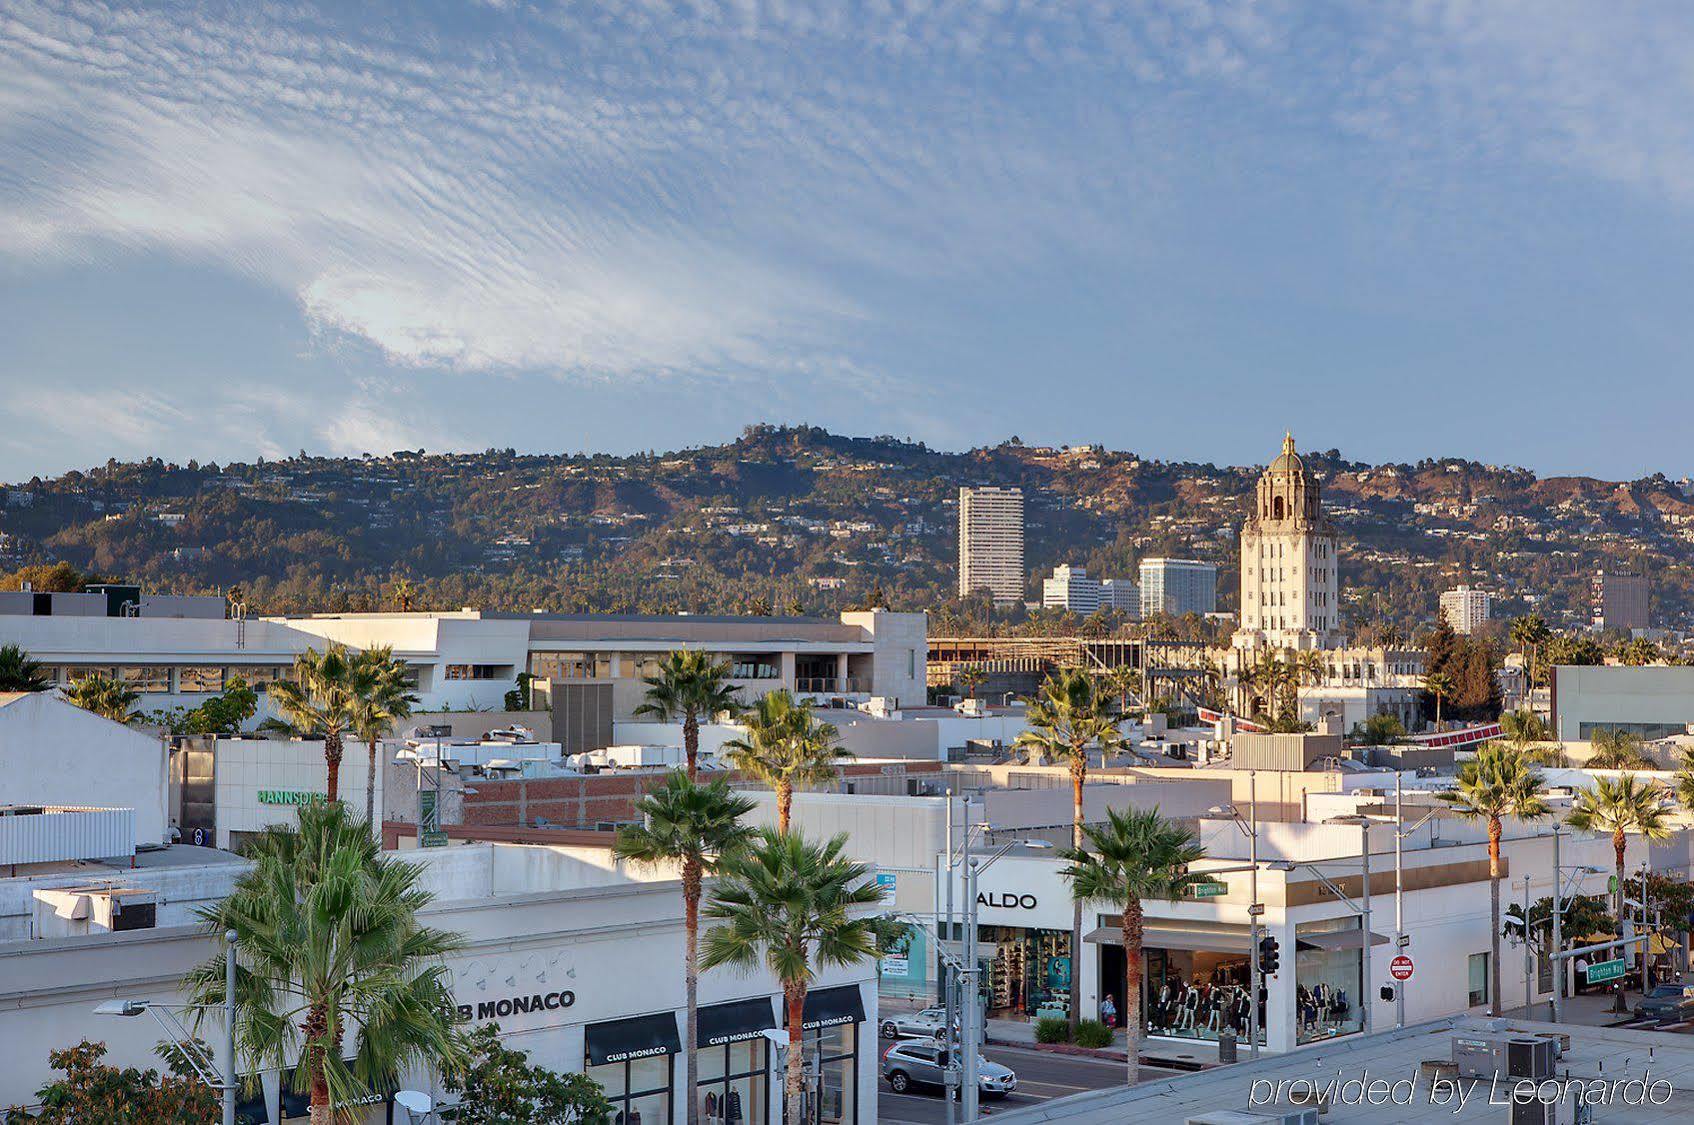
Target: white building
{"type": "Point", "coordinates": [1071, 589]}
{"type": "Point", "coordinates": [56, 754]}
{"type": "Point", "coordinates": [1289, 587]}
{"type": "Point", "coordinates": [1175, 587]}
{"type": "Point", "coordinates": [991, 543]}
{"type": "Point", "coordinates": [1465, 608]}
{"type": "Point", "coordinates": [577, 959]}
{"type": "Point", "coordinates": [1122, 595]}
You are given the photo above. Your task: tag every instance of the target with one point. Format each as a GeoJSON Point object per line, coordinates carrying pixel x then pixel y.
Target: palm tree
{"type": "Point", "coordinates": [19, 671]}
{"type": "Point", "coordinates": [1135, 856]}
{"type": "Point", "coordinates": [971, 678]}
{"type": "Point", "coordinates": [694, 826]}
{"type": "Point", "coordinates": [786, 745]}
{"type": "Point", "coordinates": [1124, 680]}
{"type": "Point", "coordinates": [1621, 806]}
{"type": "Point", "coordinates": [319, 700]}
{"type": "Point", "coordinates": [1616, 749]}
{"type": "Point", "coordinates": [1440, 685]}
{"type": "Point", "coordinates": [1529, 633]}
{"type": "Point", "coordinates": [106, 697]}
{"type": "Point", "coordinates": [403, 594]}
{"type": "Point", "coordinates": [1497, 783]}
{"type": "Point", "coordinates": [1067, 718]}
{"type": "Point", "coordinates": [329, 944]}
{"type": "Point", "coordinates": [690, 684]}
{"type": "Point", "coordinates": [382, 697]}
{"type": "Point", "coordinates": [790, 903]}
{"type": "Point", "coordinates": [1524, 729]}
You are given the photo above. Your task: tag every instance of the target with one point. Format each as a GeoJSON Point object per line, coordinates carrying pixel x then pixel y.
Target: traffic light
{"type": "Point", "coordinates": [1269, 956]}
{"type": "Point", "coordinates": [1387, 992]}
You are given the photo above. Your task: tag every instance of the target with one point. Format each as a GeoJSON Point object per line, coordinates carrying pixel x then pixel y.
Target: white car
{"type": "Point", "coordinates": [927, 1024]}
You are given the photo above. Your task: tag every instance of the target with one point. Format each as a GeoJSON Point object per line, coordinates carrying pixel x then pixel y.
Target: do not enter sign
{"type": "Point", "coordinates": [1400, 968]}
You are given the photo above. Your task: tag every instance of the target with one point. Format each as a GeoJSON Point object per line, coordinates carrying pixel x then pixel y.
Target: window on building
{"type": "Point", "coordinates": [200, 678]}
{"type": "Point", "coordinates": [475, 672]}
{"type": "Point", "coordinates": [1478, 979]}
{"type": "Point", "coordinates": [754, 666]}
{"type": "Point", "coordinates": [639, 1089]}
{"type": "Point", "coordinates": [258, 675]}
{"type": "Point", "coordinates": [836, 1050]}
{"type": "Point", "coordinates": [563, 665]}
{"type": "Point", "coordinates": [732, 1078]}
{"type": "Point", "coordinates": [148, 679]}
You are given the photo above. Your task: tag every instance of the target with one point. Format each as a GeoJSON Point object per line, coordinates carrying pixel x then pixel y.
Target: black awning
{"type": "Point", "coordinates": [826, 1007]}
{"type": "Point", "coordinates": [735, 1021]}
{"type": "Point", "coordinates": [635, 1038]}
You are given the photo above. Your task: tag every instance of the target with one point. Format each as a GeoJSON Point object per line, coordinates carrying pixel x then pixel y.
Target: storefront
{"type": "Point", "coordinates": [1329, 978]}
{"type": "Point", "coordinates": [833, 1022]}
{"type": "Point", "coordinates": [1026, 972]}
{"type": "Point", "coordinates": [1195, 981]}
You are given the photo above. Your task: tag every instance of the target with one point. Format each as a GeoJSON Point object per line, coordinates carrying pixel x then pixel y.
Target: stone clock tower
{"type": "Point", "coordinates": [1289, 586]}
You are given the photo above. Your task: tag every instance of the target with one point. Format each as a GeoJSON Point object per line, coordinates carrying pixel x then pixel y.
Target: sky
{"type": "Point", "coordinates": [1427, 228]}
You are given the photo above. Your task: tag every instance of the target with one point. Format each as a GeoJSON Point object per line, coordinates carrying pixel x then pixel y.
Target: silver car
{"type": "Point", "coordinates": [915, 1063]}
{"type": "Point", "coordinates": [926, 1024]}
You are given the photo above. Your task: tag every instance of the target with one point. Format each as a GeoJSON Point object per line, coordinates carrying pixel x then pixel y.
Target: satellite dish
{"type": "Point", "coordinates": [414, 1101]}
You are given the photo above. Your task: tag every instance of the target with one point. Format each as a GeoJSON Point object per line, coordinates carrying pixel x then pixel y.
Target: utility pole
{"type": "Point", "coordinates": [1254, 1016]}
{"type": "Point", "coordinates": [1528, 963]}
{"type": "Point", "coordinates": [1369, 1000]}
{"type": "Point", "coordinates": [226, 1063]}
{"type": "Point", "coordinates": [949, 989]}
{"type": "Point", "coordinates": [1559, 969]}
{"type": "Point", "coordinates": [968, 1014]}
{"type": "Point", "coordinates": [1399, 902]}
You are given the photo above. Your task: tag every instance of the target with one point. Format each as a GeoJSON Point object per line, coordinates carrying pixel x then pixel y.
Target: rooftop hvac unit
{"type": "Point", "coordinates": [1493, 1054]}
{"type": "Point", "coordinates": [1527, 1108]}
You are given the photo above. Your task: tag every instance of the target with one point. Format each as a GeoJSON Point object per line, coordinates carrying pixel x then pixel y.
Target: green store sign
{"type": "Point", "coordinates": [290, 797]}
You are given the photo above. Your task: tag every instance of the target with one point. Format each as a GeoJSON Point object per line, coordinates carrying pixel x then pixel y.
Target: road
{"type": "Point", "coordinates": [1041, 1075]}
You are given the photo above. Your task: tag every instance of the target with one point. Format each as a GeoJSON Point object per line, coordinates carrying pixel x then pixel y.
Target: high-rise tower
{"type": "Point", "coordinates": [1289, 588]}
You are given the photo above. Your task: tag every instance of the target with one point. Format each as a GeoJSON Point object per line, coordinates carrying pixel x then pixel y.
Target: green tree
{"type": "Point", "coordinates": [689, 686]}
{"type": "Point", "coordinates": [329, 944]}
{"type": "Point", "coordinates": [1068, 718]}
{"type": "Point", "coordinates": [786, 745]}
{"type": "Point", "coordinates": [1381, 729]}
{"type": "Point", "coordinates": [1613, 748]}
{"type": "Point", "coordinates": [794, 905]}
{"type": "Point", "coordinates": [319, 701]}
{"type": "Point", "coordinates": [106, 697]}
{"type": "Point", "coordinates": [1621, 807]}
{"type": "Point", "coordinates": [1499, 782]}
{"type": "Point", "coordinates": [381, 698]}
{"type": "Point", "coordinates": [500, 1086]}
{"type": "Point", "coordinates": [971, 678]}
{"type": "Point", "coordinates": [1135, 856]}
{"type": "Point", "coordinates": [225, 713]}
{"type": "Point", "coordinates": [19, 671]}
{"type": "Point", "coordinates": [92, 1091]}
{"type": "Point", "coordinates": [1583, 915]}
{"type": "Point", "coordinates": [693, 826]}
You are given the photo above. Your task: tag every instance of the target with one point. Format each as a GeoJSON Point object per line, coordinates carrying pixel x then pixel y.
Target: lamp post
{"type": "Point", "coordinates": [1250, 825]}
{"type": "Point", "coordinates": [1367, 1001]}
{"type": "Point", "coordinates": [217, 1073]}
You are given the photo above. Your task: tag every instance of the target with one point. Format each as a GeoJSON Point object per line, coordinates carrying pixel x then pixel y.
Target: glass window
{"type": "Point", "coordinates": [733, 1083]}
{"type": "Point", "coordinates": [562, 665]}
{"type": "Point", "coordinates": [1478, 979]}
{"type": "Point", "coordinates": [145, 678]}
{"type": "Point", "coordinates": [257, 675]}
{"type": "Point", "coordinates": [753, 666]}
{"type": "Point", "coordinates": [835, 1050]}
{"type": "Point", "coordinates": [1328, 983]}
{"type": "Point", "coordinates": [639, 1090]}
{"type": "Point", "coordinates": [194, 679]}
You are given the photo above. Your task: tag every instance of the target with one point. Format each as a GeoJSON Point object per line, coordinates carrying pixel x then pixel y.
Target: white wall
{"type": "Point", "coordinates": [55, 753]}
{"type": "Point", "coordinates": [247, 767]}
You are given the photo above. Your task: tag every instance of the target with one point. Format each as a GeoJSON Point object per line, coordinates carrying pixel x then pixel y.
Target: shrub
{"type": "Point", "coordinates": [1093, 1033]}
{"type": "Point", "coordinates": [1050, 1030]}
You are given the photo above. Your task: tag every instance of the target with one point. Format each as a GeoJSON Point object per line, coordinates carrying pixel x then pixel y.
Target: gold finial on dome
{"type": "Point", "coordinates": [1288, 442]}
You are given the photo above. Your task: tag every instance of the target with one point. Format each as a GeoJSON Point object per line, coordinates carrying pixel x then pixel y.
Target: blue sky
{"type": "Point", "coordinates": [1171, 226]}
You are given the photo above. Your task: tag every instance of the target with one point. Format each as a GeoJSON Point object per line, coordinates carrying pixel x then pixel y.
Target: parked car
{"type": "Point", "coordinates": [1667, 1001]}
{"type": "Point", "coordinates": [912, 1063]}
{"type": "Point", "coordinates": [926, 1024]}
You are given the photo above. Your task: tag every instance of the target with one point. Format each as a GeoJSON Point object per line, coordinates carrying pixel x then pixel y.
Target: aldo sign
{"type": "Point", "coordinates": [1006, 900]}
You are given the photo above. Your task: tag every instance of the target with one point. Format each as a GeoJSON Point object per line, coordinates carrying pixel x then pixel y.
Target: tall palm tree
{"type": "Point", "coordinates": [786, 745]}
{"type": "Point", "coordinates": [1615, 749]}
{"type": "Point", "coordinates": [1524, 729]}
{"type": "Point", "coordinates": [382, 697]}
{"type": "Point", "coordinates": [971, 678]}
{"type": "Point", "coordinates": [792, 904]}
{"type": "Point", "coordinates": [690, 684]}
{"type": "Point", "coordinates": [319, 701]}
{"type": "Point", "coordinates": [1440, 685]}
{"type": "Point", "coordinates": [694, 826]}
{"type": "Point", "coordinates": [19, 671]}
{"type": "Point", "coordinates": [329, 944]}
{"type": "Point", "coordinates": [106, 697]}
{"type": "Point", "coordinates": [1067, 718]}
{"type": "Point", "coordinates": [1499, 782]}
{"type": "Point", "coordinates": [1622, 806]}
{"type": "Point", "coordinates": [1135, 856]}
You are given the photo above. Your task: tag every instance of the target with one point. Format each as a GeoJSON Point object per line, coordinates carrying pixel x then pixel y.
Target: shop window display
{"type": "Point", "coordinates": [731, 1088]}
{"type": "Point", "coordinates": [832, 1054]}
{"type": "Point", "coordinates": [1028, 972]}
{"type": "Point", "coordinates": [1195, 995]}
{"type": "Point", "coordinates": [1327, 984]}
{"type": "Point", "coordinates": [639, 1089]}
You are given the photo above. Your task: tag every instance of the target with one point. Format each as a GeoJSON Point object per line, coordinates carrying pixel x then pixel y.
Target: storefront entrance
{"type": "Point", "coordinates": [1194, 981]}
{"type": "Point", "coordinates": [1026, 972]}
{"type": "Point", "coordinates": [631, 1060]}
{"type": "Point", "coordinates": [834, 1017]}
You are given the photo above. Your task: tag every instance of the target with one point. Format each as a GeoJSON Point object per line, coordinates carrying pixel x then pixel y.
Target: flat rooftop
{"type": "Point", "coordinates": [1611, 1055]}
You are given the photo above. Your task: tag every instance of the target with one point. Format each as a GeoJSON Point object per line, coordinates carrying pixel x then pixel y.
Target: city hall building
{"type": "Point", "coordinates": [578, 961]}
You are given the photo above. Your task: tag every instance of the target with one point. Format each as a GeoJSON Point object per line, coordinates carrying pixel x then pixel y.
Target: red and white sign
{"type": "Point", "coordinates": [1400, 968]}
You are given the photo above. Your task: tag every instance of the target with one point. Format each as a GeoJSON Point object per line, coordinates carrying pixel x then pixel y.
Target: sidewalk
{"type": "Point", "coordinates": [1176, 1054]}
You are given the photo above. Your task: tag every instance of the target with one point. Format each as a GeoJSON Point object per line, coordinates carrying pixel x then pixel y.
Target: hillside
{"type": "Point", "coordinates": [798, 517]}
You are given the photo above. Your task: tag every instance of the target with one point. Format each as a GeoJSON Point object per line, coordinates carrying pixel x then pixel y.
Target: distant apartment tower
{"type": "Point", "coordinates": [1465, 608]}
{"type": "Point", "coordinates": [1071, 588]}
{"type": "Point", "coordinates": [1178, 586]}
{"type": "Point", "coordinates": [1620, 601]}
{"type": "Point", "coordinates": [991, 543]}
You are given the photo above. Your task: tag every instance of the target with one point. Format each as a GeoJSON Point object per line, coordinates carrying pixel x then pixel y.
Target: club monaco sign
{"type": "Point", "coordinates": [512, 1005]}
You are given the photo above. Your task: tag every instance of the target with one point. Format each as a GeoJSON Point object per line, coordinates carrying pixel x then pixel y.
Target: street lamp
{"type": "Point", "coordinates": [1367, 1001]}
{"type": "Point", "coordinates": [1250, 825]}
{"type": "Point", "coordinates": [218, 1074]}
